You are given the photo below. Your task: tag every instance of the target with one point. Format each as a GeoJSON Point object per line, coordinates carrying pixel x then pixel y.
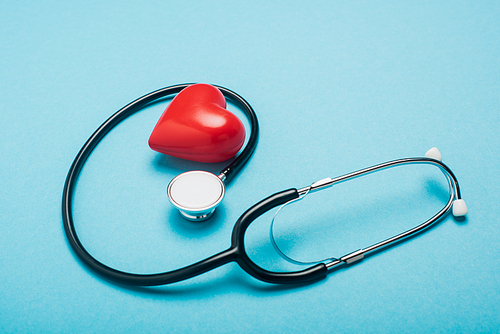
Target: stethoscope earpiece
{"type": "Point", "coordinates": [459, 208]}
{"type": "Point", "coordinates": [434, 153]}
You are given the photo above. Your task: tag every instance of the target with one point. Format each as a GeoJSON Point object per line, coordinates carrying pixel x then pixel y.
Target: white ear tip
{"type": "Point", "coordinates": [459, 208]}
{"type": "Point", "coordinates": [433, 153]}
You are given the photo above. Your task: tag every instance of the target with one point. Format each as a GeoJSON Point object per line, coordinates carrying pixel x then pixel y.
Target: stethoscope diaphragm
{"type": "Point", "coordinates": [196, 194]}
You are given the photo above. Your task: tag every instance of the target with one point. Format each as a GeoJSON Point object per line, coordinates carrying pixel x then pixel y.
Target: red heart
{"type": "Point", "coordinates": [196, 126]}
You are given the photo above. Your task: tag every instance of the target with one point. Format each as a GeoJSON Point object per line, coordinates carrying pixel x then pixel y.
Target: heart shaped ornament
{"type": "Point", "coordinates": [197, 126]}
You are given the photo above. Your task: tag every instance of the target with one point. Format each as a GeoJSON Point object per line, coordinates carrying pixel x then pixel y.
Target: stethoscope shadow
{"type": "Point", "coordinates": [231, 279]}
{"type": "Point", "coordinates": [188, 229]}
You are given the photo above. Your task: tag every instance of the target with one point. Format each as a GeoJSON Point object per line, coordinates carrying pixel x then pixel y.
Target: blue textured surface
{"type": "Point", "coordinates": [337, 86]}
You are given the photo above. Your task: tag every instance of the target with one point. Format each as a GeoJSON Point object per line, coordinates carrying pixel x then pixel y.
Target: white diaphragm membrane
{"type": "Point", "coordinates": [196, 194]}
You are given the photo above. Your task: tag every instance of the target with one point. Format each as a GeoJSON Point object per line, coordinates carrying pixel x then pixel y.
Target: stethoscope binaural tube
{"type": "Point", "coordinates": [455, 203]}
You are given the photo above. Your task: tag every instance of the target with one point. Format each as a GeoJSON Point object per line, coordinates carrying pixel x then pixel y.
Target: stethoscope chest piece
{"type": "Point", "coordinates": [196, 194]}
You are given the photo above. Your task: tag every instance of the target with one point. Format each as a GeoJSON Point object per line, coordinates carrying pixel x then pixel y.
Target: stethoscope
{"type": "Point", "coordinates": [180, 187]}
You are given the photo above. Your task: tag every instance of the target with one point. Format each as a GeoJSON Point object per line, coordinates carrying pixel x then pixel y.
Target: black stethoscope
{"type": "Point", "coordinates": [215, 186]}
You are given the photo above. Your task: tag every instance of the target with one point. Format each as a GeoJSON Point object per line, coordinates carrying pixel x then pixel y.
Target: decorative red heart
{"type": "Point", "coordinates": [196, 126]}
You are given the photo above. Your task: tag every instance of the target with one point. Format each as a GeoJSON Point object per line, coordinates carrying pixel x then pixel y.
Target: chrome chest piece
{"type": "Point", "coordinates": [196, 194]}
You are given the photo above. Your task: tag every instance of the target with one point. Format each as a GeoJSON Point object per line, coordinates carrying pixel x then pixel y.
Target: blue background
{"type": "Point", "coordinates": [337, 86]}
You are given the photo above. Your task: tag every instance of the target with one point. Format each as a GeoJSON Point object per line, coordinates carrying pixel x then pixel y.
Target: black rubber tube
{"type": "Point", "coordinates": [238, 243]}
{"type": "Point", "coordinates": [237, 250]}
{"type": "Point", "coordinates": [86, 150]}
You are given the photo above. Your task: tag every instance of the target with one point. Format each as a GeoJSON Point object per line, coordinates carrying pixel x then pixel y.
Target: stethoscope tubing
{"type": "Point", "coordinates": [236, 253]}
{"type": "Point", "coordinates": [82, 156]}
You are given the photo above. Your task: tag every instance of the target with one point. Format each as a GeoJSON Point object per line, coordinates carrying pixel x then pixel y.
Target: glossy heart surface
{"type": "Point", "coordinates": [197, 126]}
